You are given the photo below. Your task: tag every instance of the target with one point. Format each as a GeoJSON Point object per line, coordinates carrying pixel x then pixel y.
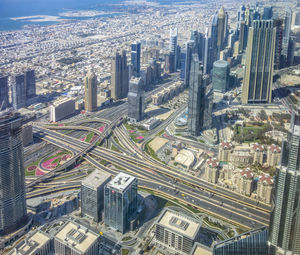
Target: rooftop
{"type": "Point", "coordinates": [200, 249]}
{"type": "Point", "coordinates": [61, 101]}
{"type": "Point", "coordinates": [121, 181]}
{"type": "Point", "coordinates": [77, 237]}
{"type": "Point", "coordinates": [31, 245]}
{"type": "Point", "coordinates": [274, 148]}
{"type": "Point", "coordinates": [96, 179]}
{"type": "Point", "coordinates": [180, 223]}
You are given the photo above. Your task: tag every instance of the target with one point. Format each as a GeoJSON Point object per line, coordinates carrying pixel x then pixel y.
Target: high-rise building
{"type": "Point", "coordinates": [268, 13]}
{"type": "Point", "coordinates": [213, 46]}
{"type": "Point", "coordinates": [220, 77]}
{"type": "Point", "coordinates": [189, 45]}
{"type": "Point", "coordinates": [173, 45]}
{"type": "Point", "coordinates": [169, 63]}
{"type": "Point", "coordinates": [136, 100]}
{"type": "Point", "coordinates": [253, 242]}
{"type": "Point", "coordinates": [257, 87]}
{"type": "Point", "coordinates": [222, 19]}
{"type": "Point", "coordinates": [3, 92]}
{"type": "Point", "coordinates": [196, 95]}
{"type": "Point", "coordinates": [92, 194]}
{"type": "Point", "coordinates": [286, 37]}
{"type": "Point", "coordinates": [206, 52]}
{"type": "Point", "coordinates": [30, 84]}
{"type": "Point", "coordinates": [19, 92]}
{"type": "Point", "coordinates": [199, 44]}
{"type": "Point", "coordinates": [278, 43]}
{"type": "Point", "coordinates": [120, 201]}
{"type": "Point", "coordinates": [12, 189]}
{"type": "Point", "coordinates": [62, 108]}
{"type": "Point", "coordinates": [285, 217]}
{"type": "Point", "coordinates": [119, 76]}
{"type": "Point", "coordinates": [136, 59]}
{"type": "Point", "coordinates": [90, 91]}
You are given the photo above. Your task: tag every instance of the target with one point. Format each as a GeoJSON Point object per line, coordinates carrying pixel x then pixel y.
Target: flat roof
{"type": "Point", "coordinates": [180, 223]}
{"type": "Point", "coordinates": [76, 237]}
{"type": "Point", "coordinates": [121, 181]}
{"type": "Point", "coordinates": [96, 179]}
{"type": "Point", "coordinates": [61, 101]}
{"type": "Point", "coordinates": [33, 243]}
{"type": "Point", "coordinates": [200, 249]}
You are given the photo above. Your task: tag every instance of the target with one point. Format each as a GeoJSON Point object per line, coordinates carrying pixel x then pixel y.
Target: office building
{"type": "Point", "coordinates": [12, 179]}
{"type": "Point", "coordinates": [90, 91]}
{"type": "Point", "coordinates": [173, 46]}
{"type": "Point", "coordinates": [213, 45]}
{"type": "Point", "coordinates": [267, 13]}
{"type": "Point", "coordinates": [257, 87]}
{"type": "Point", "coordinates": [220, 76]}
{"type": "Point", "coordinates": [92, 194]}
{"type": "Point", "coordinates": [19, 92]}
{"type": "Point", "coordinates": [286, 44]}
{"type": "Point", "coordinates": [206, 52]}
{"type": "Point", "coordinates": [278, 43]}
{"type": "Point", "coordinates": [120, 202]}
{"type": "Point", "coordinates": [208, 108]}
{"type": "Point", "coordinates": [189, 46]}
{"type": "Point", "coordinates": [253, 242]}
{"type": "Point", "coordinates": [199, 43]}
{"type": "Point", "coordinates": [136, 100]}
{"type": "Point", "coordinates": [30, 84]}
{"type": "Point", "coordinates": [4, 103]}
{"type": "Point", "coordinates": [221, 27]}
{"type": "Point", "coordinates": [196, 95]}
{"type": "Point", "coordinates": [119, 76]}
{"type": "Point", "coordinates": [170, 63]}
{"type": "Point", "coordinates": [37, 243]}
{"type": "Point", "coordinates": [136, 59]}
{"type": "Point", "coordinates": [61, 109]}
{"type": "Point", "coordinates": [177, 231]}
{"type": "Point", "coordinates": [285, 224]}
{"type": "Point", "coordinates": [75, 239]}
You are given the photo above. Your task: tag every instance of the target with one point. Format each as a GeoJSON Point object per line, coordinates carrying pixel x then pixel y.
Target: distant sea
{"type": "Point", "coordinates": [23, 8]}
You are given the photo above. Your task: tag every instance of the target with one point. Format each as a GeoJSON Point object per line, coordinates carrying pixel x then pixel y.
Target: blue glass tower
{"type": "Point", "coordinates": [136, 59]}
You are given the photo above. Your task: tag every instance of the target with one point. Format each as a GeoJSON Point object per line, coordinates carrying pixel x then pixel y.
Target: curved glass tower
{"type": "Point", "coordinates": [12, 180]}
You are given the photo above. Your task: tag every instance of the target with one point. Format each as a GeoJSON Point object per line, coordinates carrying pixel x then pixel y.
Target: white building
{"type": "Point", "coordinates": [61, 109]}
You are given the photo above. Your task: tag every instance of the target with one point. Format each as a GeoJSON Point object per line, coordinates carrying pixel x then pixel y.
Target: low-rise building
{"type": "Point", "coordinates": [177, 231]}
{"type": "Point", "coordinates": [61, 109]}
{"type": "Point", "coordinates": [185, 158]}
{"type": "Point", "coordinates": [151, 123]}
{"type": "Point", "coordinates": [200, 249]}
{"type": "Point", "coordinates": [245, 182]}
{"type": "Point", "coordinates": [241, 157]}
{"type": "Point", "coordinates": [264, 188]}
{"type": "Point", "coordinates": [75, 239]}
{"type": "Point", "coordinates": [273, 155]}
{"type": "Point", "coordinates": [212, 170]}
{"type": "Point", "coordinates": [92, 194]}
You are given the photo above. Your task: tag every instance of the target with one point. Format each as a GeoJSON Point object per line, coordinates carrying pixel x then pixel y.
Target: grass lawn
{"type": "Point", "coordinates": [114, 148]}
{"type": "Point", "coordinates": [31, 173]}
{"type": "Point", "coordinates": [161, 132]}
{"type": "Point", "coordinates": [125, 251]}
{"type": "Point", "coordinates": [89, 137]}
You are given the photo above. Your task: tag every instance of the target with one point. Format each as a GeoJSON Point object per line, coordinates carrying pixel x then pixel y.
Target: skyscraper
{"type": "Point", "coordinates": [213, 47]}
{"type": "Point", "coordinates": [285, 218]}
{"type": "Point", "coordinates": [170, 63]}
{"type": "Point", "coordinates": [3, 92]}
{"type": "Point", "coordinates": [278, 43]}
{"type": "Point", "coordinates": [286, 37]}
{"type": "Point", "coordinates": [189, 46]}
{"type": "Point", "coordinates": [221, 29]}
{"type": "Point", "coordinates": [30, 84]}
{"type": "Point", "coordinates": [119, 76]}
{"type": "Point", "coordinates": [196, 95]}
{"type": "Point", "coordinates": [120, 201]}
{"type": "Point", "coordinates": [12, 179]}
{"type": "Point", "coordinates": [19, 92]}
{"type": "Point", "coordinates": [90, 91]}
{"type": "Point", "coordinates": [173, 45]}
{"type": "Point", "coordinates": [268, 13]}
{"type": "Point", "coordinates": [136, 59]}
{"type": "Point", "coordinates": [257, 87]}
{"type": "Point", "coordinates": [206, 51]}
{"type": "Point", "coordinates": [136, 100]}
{"type": "Point", "coordinates": [220, 77]}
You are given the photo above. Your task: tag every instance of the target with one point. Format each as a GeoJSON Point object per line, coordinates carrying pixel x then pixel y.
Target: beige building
{"type": "Point", "coordinates": [37, 244]}
{"type": "Point", "coordinates": [227, 172]}
{"type": "Point", "coordinates": [224, 151]}
{"type": "Point", "coordinates": [90, 92]}
{"type": "Point", "coordinates": [212, 170]}
{"type": "Point", "coordinates": [264, 188]}
{"type": "Point", "coordinates": [241, 157]}
{"type": "Point", "coordinates": [177, 231]}
{"type": "Point", "coordinates": [74, 239]}
{"type": "Point", "coordinates": [258, 151]}
{"type": "Point", "coordinates": [273, 155]}
{"type": "Point", "coordinates": [61, 109]}
{"type": "Point", "coordinates": [245, 182]}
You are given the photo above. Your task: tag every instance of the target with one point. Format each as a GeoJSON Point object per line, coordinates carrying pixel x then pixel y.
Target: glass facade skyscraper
{"type": "Point", "coordinates": [3, 92]}
{"type": "Point", "coordinates": [30, 84]}
{"type": "Point", "coordinates": [257, 87]}
{"type": "Point", "coordinates": [19, 92]}
{"type": "Point", "coordinates": [120, 201]}
{"type": "Point", "coordinates": [250, 243]}
{"type": "Point", "coordinates": [136, 59]}
{"type": "Point", "coordinates": [285, 217]}
{"type": "Point", "coordinates": [12, 179]}
{"type": "Point", "coordinates": [136, 100]}
{"type": "Point", "coordinates": [90, 92]}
